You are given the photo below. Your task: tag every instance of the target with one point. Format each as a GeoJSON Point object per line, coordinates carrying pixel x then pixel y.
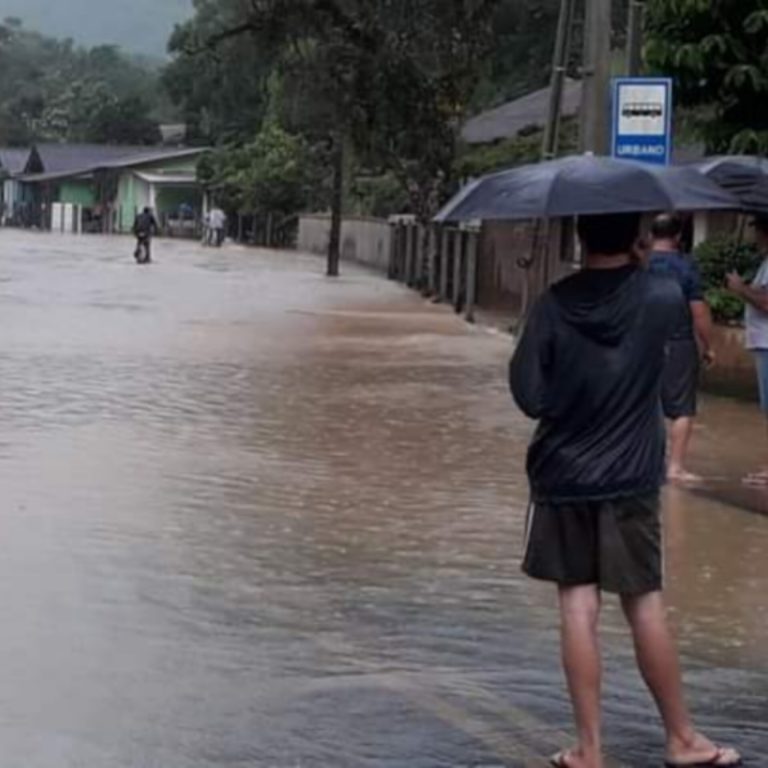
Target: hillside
{"type": "Point", "coordinates": [140, 26]}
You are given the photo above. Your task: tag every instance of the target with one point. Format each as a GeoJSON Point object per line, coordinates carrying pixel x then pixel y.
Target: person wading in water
{"type": "Point", "coordinates": [144, 227]}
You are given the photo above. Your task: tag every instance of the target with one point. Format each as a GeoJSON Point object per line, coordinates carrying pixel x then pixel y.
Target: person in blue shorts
{"type": "Point", "coordinates": [691, 341]}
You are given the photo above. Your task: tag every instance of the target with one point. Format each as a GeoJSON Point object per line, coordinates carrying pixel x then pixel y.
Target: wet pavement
{"type": "Point", "coordinates": [256, 518]}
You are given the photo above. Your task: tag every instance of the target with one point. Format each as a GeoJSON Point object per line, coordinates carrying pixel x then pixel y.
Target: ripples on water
{"type": "Point", "coordinates": [257, 518]}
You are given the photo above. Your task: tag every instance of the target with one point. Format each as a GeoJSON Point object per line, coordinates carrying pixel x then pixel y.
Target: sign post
{"type": "Point", "coordinates": [642, 119]}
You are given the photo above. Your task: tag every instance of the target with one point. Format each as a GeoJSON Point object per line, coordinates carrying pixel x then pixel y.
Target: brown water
{"type": "Point", "coordinates": [256, 518]}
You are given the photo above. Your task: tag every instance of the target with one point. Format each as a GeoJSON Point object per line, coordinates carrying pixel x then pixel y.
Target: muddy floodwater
{"type": "Point", "coordinates": [252, 517]}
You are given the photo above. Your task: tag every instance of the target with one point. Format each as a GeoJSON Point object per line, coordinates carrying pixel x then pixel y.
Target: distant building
{"type": "Point", "coordinates": [12, 163]}
{"type": "Point", "coordinates": [529, 112]}
{"type": "Point", "coordinates": [92, 187]}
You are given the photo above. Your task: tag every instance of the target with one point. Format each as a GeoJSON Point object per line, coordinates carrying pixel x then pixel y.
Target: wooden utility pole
{"type": "Point", "coordinates": [635, 38]}
{"type": "Point", "coordinates": [595, 103]}
{"type": "Point", "coordinates": [559, 71]}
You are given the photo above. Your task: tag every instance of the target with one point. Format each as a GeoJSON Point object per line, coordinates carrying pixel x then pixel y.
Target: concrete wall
{"type": "Point", "coordinates": [364, 240]}
{"type": "Point", "coordinates": [734, 373]}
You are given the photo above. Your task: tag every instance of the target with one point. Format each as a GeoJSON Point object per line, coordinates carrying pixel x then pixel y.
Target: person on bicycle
{"type": "Point", "coordinates": [144, 227]}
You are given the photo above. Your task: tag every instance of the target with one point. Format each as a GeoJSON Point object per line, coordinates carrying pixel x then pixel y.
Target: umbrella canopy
{"type": "Point", "coordinates": [583, 185]}
{"type": "Point", "coordinates": [744, 176]}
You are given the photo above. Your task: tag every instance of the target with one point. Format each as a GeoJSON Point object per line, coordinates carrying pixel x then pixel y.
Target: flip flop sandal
{"type": "Point", "coordinates": [756, 480]}
{"type": "Point", "coordinates": [560, 760]}
{"type": "Point", "coordinates": [713, 762]}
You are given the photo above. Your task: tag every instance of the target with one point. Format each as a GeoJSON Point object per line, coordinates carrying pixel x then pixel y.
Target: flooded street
{"type": "Point", "coordinates": [256, 518]}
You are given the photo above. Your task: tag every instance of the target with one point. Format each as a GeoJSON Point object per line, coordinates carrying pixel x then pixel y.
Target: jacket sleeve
{"type": "Point", "coordinates": [529, 369]}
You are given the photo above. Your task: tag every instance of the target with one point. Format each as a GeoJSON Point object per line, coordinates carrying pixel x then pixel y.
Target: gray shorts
{"type": "Point", "coordinates": [616, 545]}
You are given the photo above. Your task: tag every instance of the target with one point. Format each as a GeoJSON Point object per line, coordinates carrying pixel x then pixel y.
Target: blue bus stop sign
{"type": "Point", "coordinates": [642, 119]}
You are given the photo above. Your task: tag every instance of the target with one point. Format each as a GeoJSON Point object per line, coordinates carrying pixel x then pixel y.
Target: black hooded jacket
{"type": "Point", "coordinates": [588, 367]}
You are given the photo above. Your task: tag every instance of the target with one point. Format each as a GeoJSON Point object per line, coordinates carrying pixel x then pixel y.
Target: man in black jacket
{"type": "Point", "coordinates": [144, 227]}
{"type": "Point", "coordinates": [589, 369]}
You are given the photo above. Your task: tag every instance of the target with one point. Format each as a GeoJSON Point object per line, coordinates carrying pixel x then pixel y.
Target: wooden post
{"type": "Point", "coordinates": [473, 243]}
{"type": "Point", "coordinates": [417, 277]}
{"type": "Point", "coordinates": [445, 263]}
{"type": "Point", "coordinates": [431, 261]}
{"type": "Point", "coordinates": [406, 276]}
{"type": "Point", "coordinates": [458, 257]}
{"type": "Point", "coordinates": [391, 268]}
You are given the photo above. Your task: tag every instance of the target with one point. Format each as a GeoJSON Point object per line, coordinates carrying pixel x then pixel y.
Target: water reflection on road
{"type": "Point", "coordinates": [254, 518]}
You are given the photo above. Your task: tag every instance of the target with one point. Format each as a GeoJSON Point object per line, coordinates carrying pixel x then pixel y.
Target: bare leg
{"type": "Point", "coordinates": [580, 613]}
{"type": "Point", "coordinates": [680, 438]}
{"type": "Point", "coordinates": [759, 478]}
{"type": "Point", "coordinates": [660, 666]}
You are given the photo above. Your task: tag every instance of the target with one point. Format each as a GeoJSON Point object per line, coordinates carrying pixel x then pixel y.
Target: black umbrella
{"type": "Point", "coordinates": [582, 185]}
{"type": "Point", "coordinates": [744, 176]}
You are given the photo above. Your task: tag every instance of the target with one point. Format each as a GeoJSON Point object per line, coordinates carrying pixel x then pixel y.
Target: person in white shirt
{"type": "Point", "coordinates": [218, 223]}
{"type": "Point", "coordinates": [755, 296]}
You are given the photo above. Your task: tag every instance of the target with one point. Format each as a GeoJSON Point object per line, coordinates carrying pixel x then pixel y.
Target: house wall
{"type": "Point", "coordinates": [11, 197]}
{"type": "Point", "coordinates": [132, 196]}
{"type": "Point", "coordinates": [178, 165]}
{"type": "Point", "coordinates": [170, 199]}
{"type": "Point", "coordinates": [81, 193]}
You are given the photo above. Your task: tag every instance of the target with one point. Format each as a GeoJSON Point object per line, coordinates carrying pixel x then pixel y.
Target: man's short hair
{"type": "Point", "coordinates": [611, 234]}
{"type": "Point", "coordinates": [667, 226]}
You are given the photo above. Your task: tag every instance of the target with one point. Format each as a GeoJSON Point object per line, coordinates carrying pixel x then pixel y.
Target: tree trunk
{"type": "Point", "coordinates": [337, 199]}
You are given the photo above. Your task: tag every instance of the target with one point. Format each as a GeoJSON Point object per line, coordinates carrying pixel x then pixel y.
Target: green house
{"type": "Point", "coordinates": [84, 187]}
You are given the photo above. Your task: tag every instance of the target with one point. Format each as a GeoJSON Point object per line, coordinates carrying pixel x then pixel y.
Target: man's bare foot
{"type": "Point", "coordinates": [699, 751]}
{"type": "Point", "coordinates": [682, 475]}
{"type": "Point", "coordinates": [575, 758]}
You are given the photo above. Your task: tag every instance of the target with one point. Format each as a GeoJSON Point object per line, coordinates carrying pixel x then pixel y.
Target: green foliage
{"type": "Point", "coordinates": [391, 79]}
{"type": "Point", "coordinates": [219, 81]}
{"type": "Point", "coordinates": [271, 174]}
{"type": "Point", "coordinates": [379, 196]}
{"type": "Point", "coordinates": [521, 56]}
{"type": "Point", "coordinates": [718, 54]}
{"type": "Point", "coordinates": [716, 258]}
{"type": "Point", "coordinates": [50, 90]}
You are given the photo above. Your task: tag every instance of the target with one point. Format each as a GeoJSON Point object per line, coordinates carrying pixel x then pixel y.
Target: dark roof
{"type": "Point", "coordinates": [149, 156]}
{"type": "Point", "coordinates": [55, 176]}
{"type": "Point", "coordinates": [50, 162]}
{"type": "Point", "coordinates": [13, 161]}
{"type": "Point", "coordinates": [63, 158]}
{"type": "Point", "coordinates": [506, 121]}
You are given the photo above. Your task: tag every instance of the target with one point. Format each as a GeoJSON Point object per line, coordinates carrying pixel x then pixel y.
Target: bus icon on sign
{"type": "Point", "coordinates": [641, 109]}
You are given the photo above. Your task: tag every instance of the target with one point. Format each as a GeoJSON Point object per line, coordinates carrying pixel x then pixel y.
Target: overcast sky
{"type": "Point", "coordinates": [141, 26]}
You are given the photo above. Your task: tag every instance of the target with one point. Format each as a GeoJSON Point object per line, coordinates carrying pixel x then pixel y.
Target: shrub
{"type": "Point", "coordinates": [716, 258]}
